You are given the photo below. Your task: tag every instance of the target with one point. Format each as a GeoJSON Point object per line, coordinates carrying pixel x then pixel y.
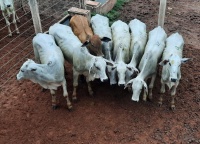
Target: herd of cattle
{"type": "Point", "coordinates": [124, 52]}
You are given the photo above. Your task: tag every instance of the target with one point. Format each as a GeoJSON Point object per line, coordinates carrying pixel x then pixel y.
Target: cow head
{"type": "Point", "coordinates": [33, 71]}
{"type": "Point", "coordinates": [173, 65]}
{"type": "Point", "coordinates": [27, 70]}
{"type": "Point", "coordinates": [112, 74]}
{"type": "Point", "coordinates": [131, 72]}
{"type": "Point", "coordinates": [94, 44]}
{"type": "Point", "coordinates": [120, 68]}
{"type": "Point", "coordinates": [7, 3]}
{"type": "Point", "coordinates": [98, 68]}
{"type": "Point", "coordinates": [137, 85]}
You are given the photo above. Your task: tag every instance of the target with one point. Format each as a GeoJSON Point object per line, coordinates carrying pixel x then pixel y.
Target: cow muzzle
{"type": "Point", "coordinates": [104, 80]}
{"type": "Point", "coordinates": [121, 85]}
{"type": "Point", "coordinates": [173, 80]}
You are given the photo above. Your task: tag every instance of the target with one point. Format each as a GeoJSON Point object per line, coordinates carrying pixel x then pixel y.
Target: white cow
{"type": "Point", "coordinates": [171, 62]}
{"type": "Point", "coordinates": [121, 40]}
{"type": "Point", "coordinates": [138, 43]}
{"type": "Point", "coordinates": [50, 73]}
{"type": "Point", "coordinates": [7, 8]}
{"type": "Point", "coordinates": [148, 64]}
{"type": "Point", "coordinates": [77, 54]}
{"type": "Point", "coordinates": [100, 26]}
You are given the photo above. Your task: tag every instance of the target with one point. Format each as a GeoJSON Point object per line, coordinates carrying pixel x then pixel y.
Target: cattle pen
{"type": "Point", "coordinates": [37, 19]}
{"type": "Point", "coordinates": [110, 116]}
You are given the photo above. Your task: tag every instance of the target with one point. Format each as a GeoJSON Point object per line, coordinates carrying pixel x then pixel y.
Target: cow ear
{"type": "Point", "coordinates": [129, 68]}
{"type": "Point", "coordinates": [164, 62]}
{"type": "Point", "coordinates": [105, 39]}
{"type": "Point", "coordinates": [184, 60]}
{"type": "Point", "coordinates": [128, 84]}
{"type": "Point", "coordinates": [110, 63]}
{"type": "Point", "coordinates": [85, 43]}
{"type": "Point", "coordinates": [145, 87]}
{"type": "Point", "coordinates": [133, 69]}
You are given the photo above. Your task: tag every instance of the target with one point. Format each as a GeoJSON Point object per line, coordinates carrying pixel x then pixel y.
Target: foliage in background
{"type": "Point", "coordinates": [115, 12]}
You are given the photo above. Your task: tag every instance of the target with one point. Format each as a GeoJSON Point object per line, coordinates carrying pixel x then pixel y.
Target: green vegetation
{"type": "Point", "coordinates": [115, 12]}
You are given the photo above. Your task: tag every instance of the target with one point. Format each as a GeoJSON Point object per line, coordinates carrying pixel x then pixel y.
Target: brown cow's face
{"type": "Point", "coordinates": [94, 45]}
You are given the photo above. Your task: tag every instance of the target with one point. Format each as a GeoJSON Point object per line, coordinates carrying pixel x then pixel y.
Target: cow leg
{"type": "Point", "coordinates": [151, 86]}
{"type": "Point", "coordinates": [162, 90]}
{"type": "Point", "coordinates": [65, 94]}
{"type": "Point", "coordinates": [144, 93]}
{"type": "Point", "coordinates": [173, 92]}
{"type": "Point", "coordinates": [14, 21]}
{"type": "Point", "coordinates": [75, 84]}
{"type": "Point", "coordinates": [7, 23]}
{"type": "Point", "coordinates": [53, 100]}
{"type": "Point", "coordinates": [17, 18]}
{"type": "Point", "coordinates": [89, 86]}
{"type": "Point", "coordinates": [22, 6]}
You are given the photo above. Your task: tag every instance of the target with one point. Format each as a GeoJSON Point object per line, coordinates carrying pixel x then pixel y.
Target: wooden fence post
{"type": "Point", "coordinates": [161, 15]}
{"type": "Point", "coordinates": [35, 16]}
{"type": "Point", "coordinates": [82, 4]}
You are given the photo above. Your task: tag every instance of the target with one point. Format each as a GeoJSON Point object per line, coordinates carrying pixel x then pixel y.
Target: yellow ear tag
{"type": "Point", "coordinates": [172, 62]}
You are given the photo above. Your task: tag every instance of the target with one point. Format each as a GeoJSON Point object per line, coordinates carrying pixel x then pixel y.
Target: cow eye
{"type": "Point", "coordinates": [170, 64]}
{"type": "Point", "coordinates": [22, 71]}
{"type": "Point", "coordinates": [98, 68]}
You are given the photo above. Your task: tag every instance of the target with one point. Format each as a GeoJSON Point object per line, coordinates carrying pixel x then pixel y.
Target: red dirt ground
{"type": "Point", "coordinates": [110, 116]}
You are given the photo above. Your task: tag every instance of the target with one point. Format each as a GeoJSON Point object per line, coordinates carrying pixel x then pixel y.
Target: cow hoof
{"type": "Point", "coordinates": [10, 35]}
{"type": "Point", "coordinates": [70, 108]}
{"type": "Point", "coordinates": [145, 99]}
{"type": "Point", "coordinates": [18, 33]}
{"type": "Point", "coordinates": [172, 107]}
{"type": "Point", "coordinates": [91, 93]}
{"type": "Point", "coordinates": [54, 107]}
{"type": "Point", "coordinates": [74, 99]}
{"type": "Point", "coordinates": [159, 104]}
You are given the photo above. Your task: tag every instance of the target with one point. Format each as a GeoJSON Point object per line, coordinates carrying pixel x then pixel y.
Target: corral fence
{"type": "Point", "coordinates": [16, 49]}
{"type": "Point", "coordinates": [37, 18]}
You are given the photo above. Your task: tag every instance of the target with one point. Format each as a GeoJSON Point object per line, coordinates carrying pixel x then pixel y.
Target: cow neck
{"type": "Point", "coordinates": [119, 55]}
{"type": "Point", "coordinates": [149, 66]}
{"type": "Point", "coordinates": [90, 64]}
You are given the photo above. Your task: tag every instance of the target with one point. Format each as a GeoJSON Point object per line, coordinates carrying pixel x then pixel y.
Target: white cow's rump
{"type": "Point", "coordinates": [171, 62]}
{"type": "Point", "coordinates": [121, 41]}
{"type": "Point", "coordinates": [100, 26]}
{"type": "Point", "coordinates": [138, 42]}
{"type": "Point", "coordinates": [148, 64]}
{"type": "Point", "coordinates": [7, 8]}
{"type": "Point", "coordinates": [50, 72]}
{"type": "Point", "coordinates": [77, 54]}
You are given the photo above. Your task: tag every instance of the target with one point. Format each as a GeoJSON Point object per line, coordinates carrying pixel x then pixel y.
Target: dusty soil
{"type": "Point", "coordinates": [110, 116]}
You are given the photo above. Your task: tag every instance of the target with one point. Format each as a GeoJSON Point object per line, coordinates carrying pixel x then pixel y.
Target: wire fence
{"type": "Point", "coordinates": [16, 49]}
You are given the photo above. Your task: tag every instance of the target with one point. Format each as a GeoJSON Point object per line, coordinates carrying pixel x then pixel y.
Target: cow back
{"type": "Point", "coordinates": [81, 28]}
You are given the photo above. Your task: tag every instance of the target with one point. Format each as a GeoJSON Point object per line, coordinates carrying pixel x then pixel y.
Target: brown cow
{"type": "Point", "coordinates": [82, 30]}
